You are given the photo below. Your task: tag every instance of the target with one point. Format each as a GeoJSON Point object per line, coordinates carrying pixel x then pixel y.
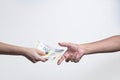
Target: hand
{"type": "Point", "coordinates": [74, 53]}
{"type": "Point", "coordinates": [34, 55]}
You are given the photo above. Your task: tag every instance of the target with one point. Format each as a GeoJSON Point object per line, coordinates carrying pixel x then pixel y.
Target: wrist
{"type": "Point", "coordinates": [85, 48]}
{"type": "Point", "coordinates": [22, 51]}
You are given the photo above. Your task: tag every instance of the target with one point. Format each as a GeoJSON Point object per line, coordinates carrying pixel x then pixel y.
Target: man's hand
{"type": "Point", "coordinates": [74, 53]}
{"type": "Point", "coordinates": [34, 55]}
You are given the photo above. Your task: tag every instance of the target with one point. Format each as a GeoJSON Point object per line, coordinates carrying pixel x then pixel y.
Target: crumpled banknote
{"type": "Point", "coordinates": [51, 53]}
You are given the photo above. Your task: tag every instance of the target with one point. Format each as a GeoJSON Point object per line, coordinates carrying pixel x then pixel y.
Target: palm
{"type": "Point", "coordinates": [73, 53]}
{"type": "Point", "coordinates": [73, 48]}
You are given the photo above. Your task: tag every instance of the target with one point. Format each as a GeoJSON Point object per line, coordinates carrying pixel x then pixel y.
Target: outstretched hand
{"type": "Point", "coordinates": [74, 53]}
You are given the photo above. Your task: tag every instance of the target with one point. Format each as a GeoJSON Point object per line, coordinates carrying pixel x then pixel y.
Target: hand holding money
{"type": "Point", "coordinates": [51, 53]}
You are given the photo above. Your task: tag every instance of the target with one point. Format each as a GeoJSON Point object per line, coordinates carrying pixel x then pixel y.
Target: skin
{"type": "Point", "coordinates": [76, 51]}
{"type": "Point", "coordinates": [34, 55]}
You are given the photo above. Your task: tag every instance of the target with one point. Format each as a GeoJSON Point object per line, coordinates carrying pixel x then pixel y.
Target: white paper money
{"type": "Point", "coordinates": [51, 53]}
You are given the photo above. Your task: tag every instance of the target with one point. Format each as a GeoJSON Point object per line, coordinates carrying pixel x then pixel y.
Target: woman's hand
{"type": "Point", "coordinates": [34, 55]}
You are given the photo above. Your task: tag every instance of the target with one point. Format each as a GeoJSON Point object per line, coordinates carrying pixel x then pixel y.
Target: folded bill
{"type": "Point", "coordinates": [51, 53]}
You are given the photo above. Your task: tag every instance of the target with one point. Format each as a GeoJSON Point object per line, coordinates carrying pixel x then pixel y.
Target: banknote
{"type": "Point", "coordinates": [51, 53]}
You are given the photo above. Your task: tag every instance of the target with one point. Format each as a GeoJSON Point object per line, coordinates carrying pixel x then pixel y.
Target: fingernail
{"type": "Point", "coordinates": [58, 63]}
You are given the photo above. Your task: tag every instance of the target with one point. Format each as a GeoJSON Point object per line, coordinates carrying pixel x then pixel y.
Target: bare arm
{"type": "Point", "coordinates": [11, 49]}
{"type": "Point", "coordinates": [32, 54]}
{"type": "Point", "coordinates": [75, 51]}
{"type": "Point", "coordinates": [111, 44]}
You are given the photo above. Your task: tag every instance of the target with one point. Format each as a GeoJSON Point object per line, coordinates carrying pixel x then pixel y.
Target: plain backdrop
{"type": "Point", "coordinates": [24, 22]}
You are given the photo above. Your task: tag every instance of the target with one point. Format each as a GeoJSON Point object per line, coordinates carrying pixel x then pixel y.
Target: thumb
{"type": "Point", "coordinates": [41, 53]}
{"type": "Point", "coordinates": [64, 44]}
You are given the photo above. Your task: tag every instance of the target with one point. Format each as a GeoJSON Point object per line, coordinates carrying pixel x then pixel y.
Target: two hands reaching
{"type": "Point", "coordinates": [73, 53]}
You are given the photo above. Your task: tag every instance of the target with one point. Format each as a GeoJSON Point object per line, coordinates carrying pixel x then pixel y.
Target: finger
{"type": "Point", "coordinates": [65, 56]}
{"type": "Point", "coordinates": [61, 60]}
{"type": "Point", "coordinates": [74, 57]}
{"type": "Point", "coordinates": [64, 44]}
{"type": "Point", "coordinates": [34, 61]}
{"type": "Point", "coordinates": [41, 53]}
{"type": "Point", "coordinates": [41, 59]}
{"type": "Point", "coordinates": [70, 58]}
{"type": "Point", "coordinates": [31, 59]}
{"type": "Point", "coordinates": [78, 58]}
{"type": "Point", "coordinates": [67, 60]}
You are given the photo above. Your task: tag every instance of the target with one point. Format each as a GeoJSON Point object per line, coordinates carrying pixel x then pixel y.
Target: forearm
{"type": "Point", "coordinates": [11, 49]}
{"type": "Point", "coordinates": [111, 44]}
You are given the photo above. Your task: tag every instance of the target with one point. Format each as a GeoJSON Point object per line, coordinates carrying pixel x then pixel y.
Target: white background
{"type": "Point", "coordinates": [23, 22]}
